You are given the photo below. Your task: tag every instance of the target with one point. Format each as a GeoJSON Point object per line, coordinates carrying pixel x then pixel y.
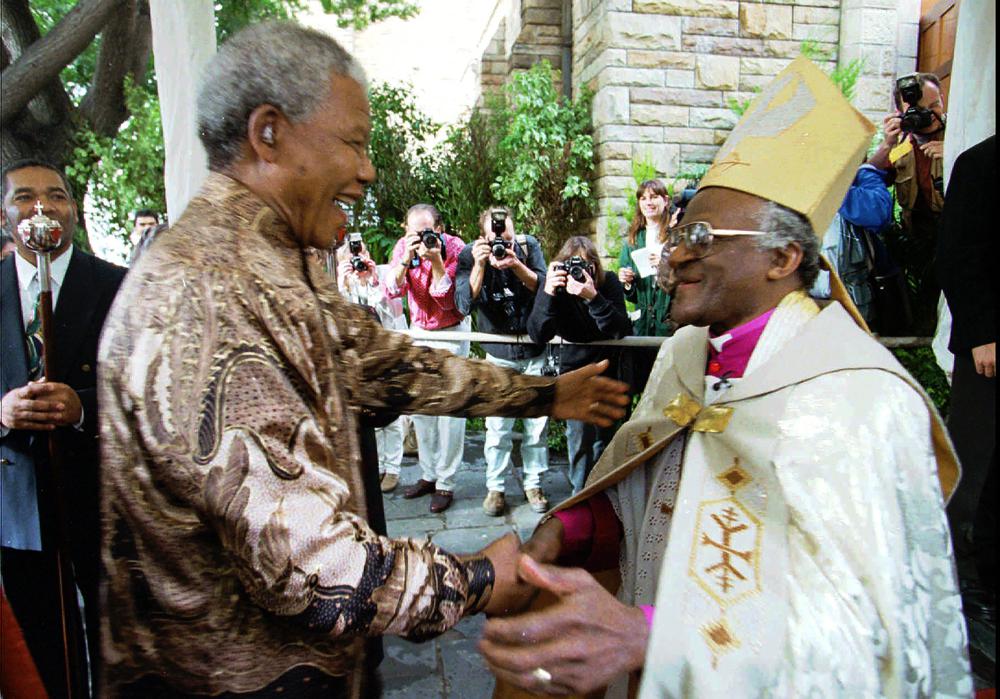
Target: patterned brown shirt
{"type": "Point", "coordinates": [235, 544]}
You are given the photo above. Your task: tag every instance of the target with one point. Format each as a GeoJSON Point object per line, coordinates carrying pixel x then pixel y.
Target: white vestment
{"type": "Point", "coordinates": [796, 539]}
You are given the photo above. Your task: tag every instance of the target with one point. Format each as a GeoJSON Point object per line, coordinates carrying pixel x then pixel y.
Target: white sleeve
{"type": "Point", "coordinates": [874, 608]}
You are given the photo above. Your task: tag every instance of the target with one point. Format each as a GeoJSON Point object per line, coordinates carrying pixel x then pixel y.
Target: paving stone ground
{"type": "Point", "coordinates": [449, 667]}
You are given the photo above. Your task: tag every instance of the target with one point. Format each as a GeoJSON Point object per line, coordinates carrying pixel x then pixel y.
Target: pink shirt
{"type": "Point", "coordinates": [729, 353]}
{"type": "Point", "coordinates": [432, 306]}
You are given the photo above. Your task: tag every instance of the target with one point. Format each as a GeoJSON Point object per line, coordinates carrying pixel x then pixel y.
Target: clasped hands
{"type": "Point", "coordinates": [40, 405]}
{"type": "Point", "coordinates": [576, 645]}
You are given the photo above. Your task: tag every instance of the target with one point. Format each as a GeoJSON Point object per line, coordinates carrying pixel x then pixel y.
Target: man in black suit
{"type": "Point", "coordinates": [966, 270]}
{"type": "Point", "coordinates": [33, 407]}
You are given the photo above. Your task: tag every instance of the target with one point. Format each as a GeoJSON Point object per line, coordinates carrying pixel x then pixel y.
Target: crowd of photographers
{"type": "Point", "coordinates": [502, 280]}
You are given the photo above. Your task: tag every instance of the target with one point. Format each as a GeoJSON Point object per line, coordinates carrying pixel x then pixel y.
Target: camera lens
{"type": "Point", "coordinates": [358, 264]}
{"type": "Point", "coordinates": [429, 239]}
{"type": "Point", "coordinates": [498, 249]}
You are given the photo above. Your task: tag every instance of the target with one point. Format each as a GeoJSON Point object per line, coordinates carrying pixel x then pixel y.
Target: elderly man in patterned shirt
{"type": "Point", "coordinates": [237, 557]}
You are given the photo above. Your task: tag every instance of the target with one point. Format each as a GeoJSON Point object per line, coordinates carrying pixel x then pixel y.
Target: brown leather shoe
{"type": "Point", "coordinates": [419, 488]}
{"type": "Point", "coordinates": [441, 500]}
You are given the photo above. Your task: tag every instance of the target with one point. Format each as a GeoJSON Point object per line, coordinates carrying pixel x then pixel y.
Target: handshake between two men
{"type": "Point", "coordinates": [576, 639]}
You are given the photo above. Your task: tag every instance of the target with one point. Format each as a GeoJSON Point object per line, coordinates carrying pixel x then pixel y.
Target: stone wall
{"type": "Point", "coordinates": [530, 32]}
{"type": "Point", "coordinates": [665, 73]}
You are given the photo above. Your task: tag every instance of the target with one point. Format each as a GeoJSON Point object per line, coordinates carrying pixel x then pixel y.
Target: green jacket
{"type": "Point", "coordinates": [651, 300]}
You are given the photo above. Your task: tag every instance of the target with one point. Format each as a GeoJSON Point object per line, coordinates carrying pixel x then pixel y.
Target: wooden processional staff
{"type": "Point", "coordinates": [42, 235]}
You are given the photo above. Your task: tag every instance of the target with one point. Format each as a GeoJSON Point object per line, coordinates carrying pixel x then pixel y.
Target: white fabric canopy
{"type": "Point", "coordinates": [183, 42]}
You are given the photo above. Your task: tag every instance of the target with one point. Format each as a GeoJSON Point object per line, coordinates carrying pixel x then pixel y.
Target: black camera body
{"type": "Point", "coordinates": [504, 299]}
{"type": "Point", "coordinates": [498, 224]}
{"type": "Point", "coordinates": [431, 239]}
{"type": "Point", "coordinates": [575, 267]}
{"type": "Point", "coordinates": [915, 118]}
{"type": "Point", "coordinates": [499, 247]}
{"type": "Point", "coordinates": [355, 246]}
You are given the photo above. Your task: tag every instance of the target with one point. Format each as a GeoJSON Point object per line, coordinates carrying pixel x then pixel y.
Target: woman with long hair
{"type": "Point", "coordinates": [649, 226]}
{"type": "Point", "coordinates": [650, 223]}
{"type": "Point", "coordinates": [581, 304]}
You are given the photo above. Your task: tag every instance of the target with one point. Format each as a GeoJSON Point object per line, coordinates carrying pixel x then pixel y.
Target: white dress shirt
{"type": "Point", "coordinates": [28, 283]}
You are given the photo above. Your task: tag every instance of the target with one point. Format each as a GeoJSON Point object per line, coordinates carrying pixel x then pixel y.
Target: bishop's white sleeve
{"type": "Point", "coordinates": [874, 608]}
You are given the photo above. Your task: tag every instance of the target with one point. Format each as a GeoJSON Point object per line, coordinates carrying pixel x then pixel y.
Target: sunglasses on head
{"type": "Point", "coordinates": [698, 236]}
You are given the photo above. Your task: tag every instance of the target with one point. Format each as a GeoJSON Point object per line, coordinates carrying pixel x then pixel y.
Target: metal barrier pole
{"type": "Point", "coordinates": [632, 341]}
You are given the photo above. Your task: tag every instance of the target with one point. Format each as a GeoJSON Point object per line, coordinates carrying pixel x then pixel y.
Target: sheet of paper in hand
{"type": "Point", "coordinates": [641, 257]}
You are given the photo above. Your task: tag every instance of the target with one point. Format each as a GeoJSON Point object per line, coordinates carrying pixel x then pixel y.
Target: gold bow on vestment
{"type": "Point", "coordinates": [685, 410]}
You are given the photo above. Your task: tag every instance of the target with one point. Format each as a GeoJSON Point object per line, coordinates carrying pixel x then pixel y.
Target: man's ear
{"type": "Point", "coordinates": [266, 127]}
{"type": "Point", "coordinates": [785, 261]}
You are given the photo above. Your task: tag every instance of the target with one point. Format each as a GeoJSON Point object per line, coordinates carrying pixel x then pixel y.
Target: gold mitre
{"type": "Point", "coordinates": [799, 144]}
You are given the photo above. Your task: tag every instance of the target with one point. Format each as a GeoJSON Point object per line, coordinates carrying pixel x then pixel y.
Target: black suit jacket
{"type": "Point", "coordinates": [88, 289]}
{"type": "Point", "coordinates": [966, 245]}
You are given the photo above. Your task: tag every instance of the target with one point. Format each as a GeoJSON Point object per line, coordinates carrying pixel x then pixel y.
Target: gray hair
{"type": "Point", "coordinates": [277, 63]}
{"type": "Point", "coordinates": [785, 226]}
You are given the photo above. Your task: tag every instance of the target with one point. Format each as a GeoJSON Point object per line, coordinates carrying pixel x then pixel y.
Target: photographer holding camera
{"type": "Point", "coordinates": [423, 267]}
{"type": "Point", "coordinates": [498, 275]}
{"type": "Point", "coordinates": [913, 153]}
{"type": "Point", "coordinates": [581, 302]}
{"type": "Point", "coordinates": [358, 279]}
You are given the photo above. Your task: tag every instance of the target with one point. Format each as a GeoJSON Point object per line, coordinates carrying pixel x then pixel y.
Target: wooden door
{"type": "Point", "coordinates": [936, 46]}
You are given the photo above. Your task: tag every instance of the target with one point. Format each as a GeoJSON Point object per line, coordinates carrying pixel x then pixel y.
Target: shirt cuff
{"type": "Point", "coordinates": [606, 543]}
{"type": "Point", "coordinates": [441, 287]}
{"type": "Point", "coordinates": [578, 530]}
{"type": "Point", "coordinates": [79, 423]}
{"type": "Point", "coordinates": [648, 610]}
{"type": "Point", "coordinates": [392, 290]}
{"type": "Point", "coordinates": [481, 577]}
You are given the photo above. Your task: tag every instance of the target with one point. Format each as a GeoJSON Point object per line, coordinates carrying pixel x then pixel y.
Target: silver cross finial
{"type": "Point", "coordinates": [38, 207]}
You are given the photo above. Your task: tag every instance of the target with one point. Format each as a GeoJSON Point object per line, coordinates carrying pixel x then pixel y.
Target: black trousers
{"type": "Point", "coordinates": [30, 581]}
{"type": "Point", "coordinates": [972, 424]}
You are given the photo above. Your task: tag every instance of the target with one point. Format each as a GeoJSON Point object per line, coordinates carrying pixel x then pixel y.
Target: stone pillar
{"type": "Point", "coordinates": [882, 33]}
{"type": "Point", "coordinates": [493, 66]}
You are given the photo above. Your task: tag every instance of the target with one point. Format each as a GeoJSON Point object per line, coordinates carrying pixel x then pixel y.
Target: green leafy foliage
{"type": "Point", "coordinates": [739, 107]}
{"type": "Point", "coordinates": [545, 157]}
{"type": "Point", "coordinates": [121, 174]}
{"type": "Point", "coordinates": [528, 149]}
{"type": "Point", "coordinates": [921, 363]}
{"type": "Point", "coordinates": [402, 158]}
{"type": "Point", "coordinates": [358, 14]}
{"type": "Point", "coordinates": [466, 169]}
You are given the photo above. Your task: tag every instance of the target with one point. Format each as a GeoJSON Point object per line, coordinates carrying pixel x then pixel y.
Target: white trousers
{"type": "Point", "coordinates": [440, 439]}
{"type": "Point", "coordinates": [534, 443]}
{"type": "Point", "coordinates": [389, 440]}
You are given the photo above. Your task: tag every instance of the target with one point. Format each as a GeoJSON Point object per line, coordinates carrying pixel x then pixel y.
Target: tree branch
{"type": "Point", "coordinates": [42, 60]}
{"type": "Point", "coordinates": [126, 44]}
{"type": "Point", "coordinates": [104, 104]}
{"type": "Point", "coordinates": [19, 31]}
